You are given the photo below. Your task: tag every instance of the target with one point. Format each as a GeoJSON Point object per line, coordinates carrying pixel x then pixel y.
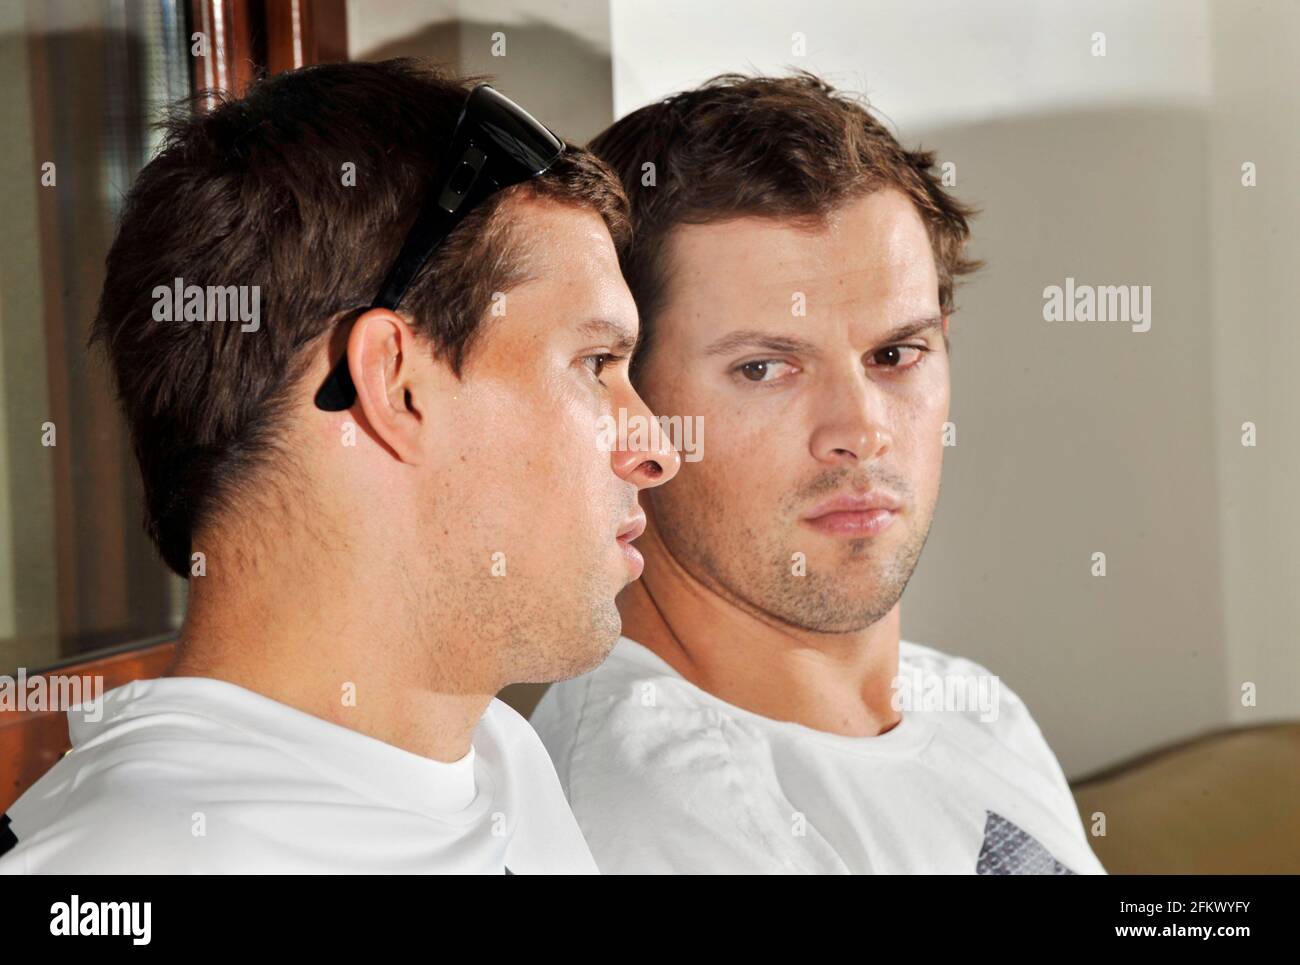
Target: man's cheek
{"type": "Point", "coordinates": [585, 476]}
{"type": "Point", "coordinates": [719, 486]}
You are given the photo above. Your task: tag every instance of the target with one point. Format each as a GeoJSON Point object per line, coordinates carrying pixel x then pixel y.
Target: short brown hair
{"type": "Point", "coordinates": [255, 193]}
{"type": "Point", "coordinates": [783, 147]}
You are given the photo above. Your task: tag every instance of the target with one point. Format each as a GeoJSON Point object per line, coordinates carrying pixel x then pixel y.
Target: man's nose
{"type": "Point", "coordinates": [645, 455]}
{"type": "Point", "coordinates": [851, 428]}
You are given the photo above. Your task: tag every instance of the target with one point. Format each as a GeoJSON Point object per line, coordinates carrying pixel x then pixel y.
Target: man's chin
{"type": "Point", "coordinates": [587, 651]}
{"type": "Point", "coordinates": [598, 655]}
{"type": "Point", "coordinates": [842, 589]}
{"type": "Point", "coordinates": [834, 612]}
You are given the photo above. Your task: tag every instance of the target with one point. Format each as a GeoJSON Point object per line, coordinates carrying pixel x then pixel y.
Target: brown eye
{"type": "Point", "coordinates": [596, 364]}
{"type": "Point", "coordinates": [898, 356]}
{"type": "Point", "coordinates": [765, 371]}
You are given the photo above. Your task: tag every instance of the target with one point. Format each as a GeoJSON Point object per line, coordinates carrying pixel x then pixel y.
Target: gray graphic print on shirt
{"type": "Point", "coordinates": [1009, 850]}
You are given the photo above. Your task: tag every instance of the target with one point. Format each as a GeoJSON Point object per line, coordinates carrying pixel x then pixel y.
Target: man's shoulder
{"type": "Point", "coordinates": [913, 654]}
{"type": "Point", "coordinates": [664, 777]}
{"type": "Point", "coordinates": [936, 666]}
{"type": "Point", "coordinates": [631, 713]}
{"type": "Point", "coordinates": [137, 809]}
{"type": "Point", "coordinates": [505, 739]}
{"type": "Point", "coordinates": [142, 787]}
{"type": "Point", "coordinates": [982, 705]}
{"type": "Point", "coordinates": [633, 694]}
{"type": "Point", "coordinates": [503, 723]}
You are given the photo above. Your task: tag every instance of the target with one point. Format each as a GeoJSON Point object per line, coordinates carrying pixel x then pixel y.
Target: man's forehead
{"type": "Point", "coordinates": [559, 300]}
{"type": "Point", "coordinates": [567, 255]}
{"type": "Point", "coordinates": [767, 260]}
{"type": "Point", "coordinates": [553, 220]}
{"type": "Point", "coordinates": [706, 300]}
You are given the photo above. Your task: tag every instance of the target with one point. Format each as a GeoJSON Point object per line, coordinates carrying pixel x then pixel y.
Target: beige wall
{"type": "Point", "coordinates": [1253, 258]}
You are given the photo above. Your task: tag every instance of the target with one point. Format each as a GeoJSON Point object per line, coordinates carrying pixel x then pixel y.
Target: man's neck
{"type": "Point", "coordinates": [840, 683]}
{"type": "Point", "coordinates": [337, 655]}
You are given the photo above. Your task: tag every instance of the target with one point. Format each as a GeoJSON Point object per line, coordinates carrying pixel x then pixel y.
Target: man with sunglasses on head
{"type": "Point", "coordinates": [794, 268]}
{"type": "Point", "coordinates": [391, 498]}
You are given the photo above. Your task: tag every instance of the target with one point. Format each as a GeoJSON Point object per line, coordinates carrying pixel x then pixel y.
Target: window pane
{"type": "Point", "coordinates": [83, 83]}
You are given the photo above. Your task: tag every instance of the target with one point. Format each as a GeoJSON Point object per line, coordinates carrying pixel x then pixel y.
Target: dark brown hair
{"type": "Point", "coordinates": [782, 147]}
{"type": "Point", "coordinates": [253, 193]}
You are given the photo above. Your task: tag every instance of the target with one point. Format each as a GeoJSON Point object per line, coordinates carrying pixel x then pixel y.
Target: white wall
{"type": "Point", "coordinates": [1085, 437]}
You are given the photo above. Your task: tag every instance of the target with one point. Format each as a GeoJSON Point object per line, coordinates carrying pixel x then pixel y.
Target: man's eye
{"type": "Point", "coordinates": [764, 370]}
{"type": "Point", "coordinates": [898, 356]}
{"type": "Point", "coordinates": [597, 363]}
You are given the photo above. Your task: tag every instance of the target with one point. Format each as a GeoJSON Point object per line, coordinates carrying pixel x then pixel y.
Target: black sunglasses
{"type": "Point", "coordinates": [496, 144]}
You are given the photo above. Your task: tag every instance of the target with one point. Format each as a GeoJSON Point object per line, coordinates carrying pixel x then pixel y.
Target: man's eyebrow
{"type": "Point", "coordinates": [622, 339]}
{"type": "Point", "coordinates": [911, 329]}
{"type": "Point", "coordinates": [767, 341]}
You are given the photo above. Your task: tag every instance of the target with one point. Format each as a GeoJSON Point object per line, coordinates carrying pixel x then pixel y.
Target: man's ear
{"type": "Point", "coordinates": [392, 386]}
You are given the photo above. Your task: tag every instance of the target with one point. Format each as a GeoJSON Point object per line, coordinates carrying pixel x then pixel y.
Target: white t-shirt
{"type": "Point", "coordinates": [188, 774]}
{"type": "Point", "coordinates": [664, 777]}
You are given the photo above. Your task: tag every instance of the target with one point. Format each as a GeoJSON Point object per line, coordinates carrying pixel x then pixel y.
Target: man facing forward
{"type": "Point", "coordinates": [794, 269]}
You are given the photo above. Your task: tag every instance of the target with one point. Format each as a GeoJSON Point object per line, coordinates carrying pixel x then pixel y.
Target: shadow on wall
{"type": "Point", "coordinates": [562, 79]}
{"type": "Point", "coordinates": [1083, 437]}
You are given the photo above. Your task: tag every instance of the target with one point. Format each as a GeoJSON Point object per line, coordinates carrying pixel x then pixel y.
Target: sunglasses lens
{"type": "Point", "coordinates": [522, 145]}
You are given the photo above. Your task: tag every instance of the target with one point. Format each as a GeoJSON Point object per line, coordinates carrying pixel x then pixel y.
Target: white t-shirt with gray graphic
{"type": "Point", "coordinates": [664, 777]}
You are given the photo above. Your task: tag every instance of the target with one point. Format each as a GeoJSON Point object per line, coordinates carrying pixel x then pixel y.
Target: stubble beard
{"type": "Point", "coordinates": [845, 586]}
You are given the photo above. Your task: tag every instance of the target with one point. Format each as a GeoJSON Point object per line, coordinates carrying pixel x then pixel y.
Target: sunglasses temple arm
{"type": "Point", "coordinates": [338, 391]}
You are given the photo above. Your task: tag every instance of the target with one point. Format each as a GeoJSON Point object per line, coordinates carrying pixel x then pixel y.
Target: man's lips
{"type": "Point", "coordinates": [854, 515]}
{"type": "Point", "coordinates": [633, 528]}
{"type": "Point", "coordinates": [629, 531]}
